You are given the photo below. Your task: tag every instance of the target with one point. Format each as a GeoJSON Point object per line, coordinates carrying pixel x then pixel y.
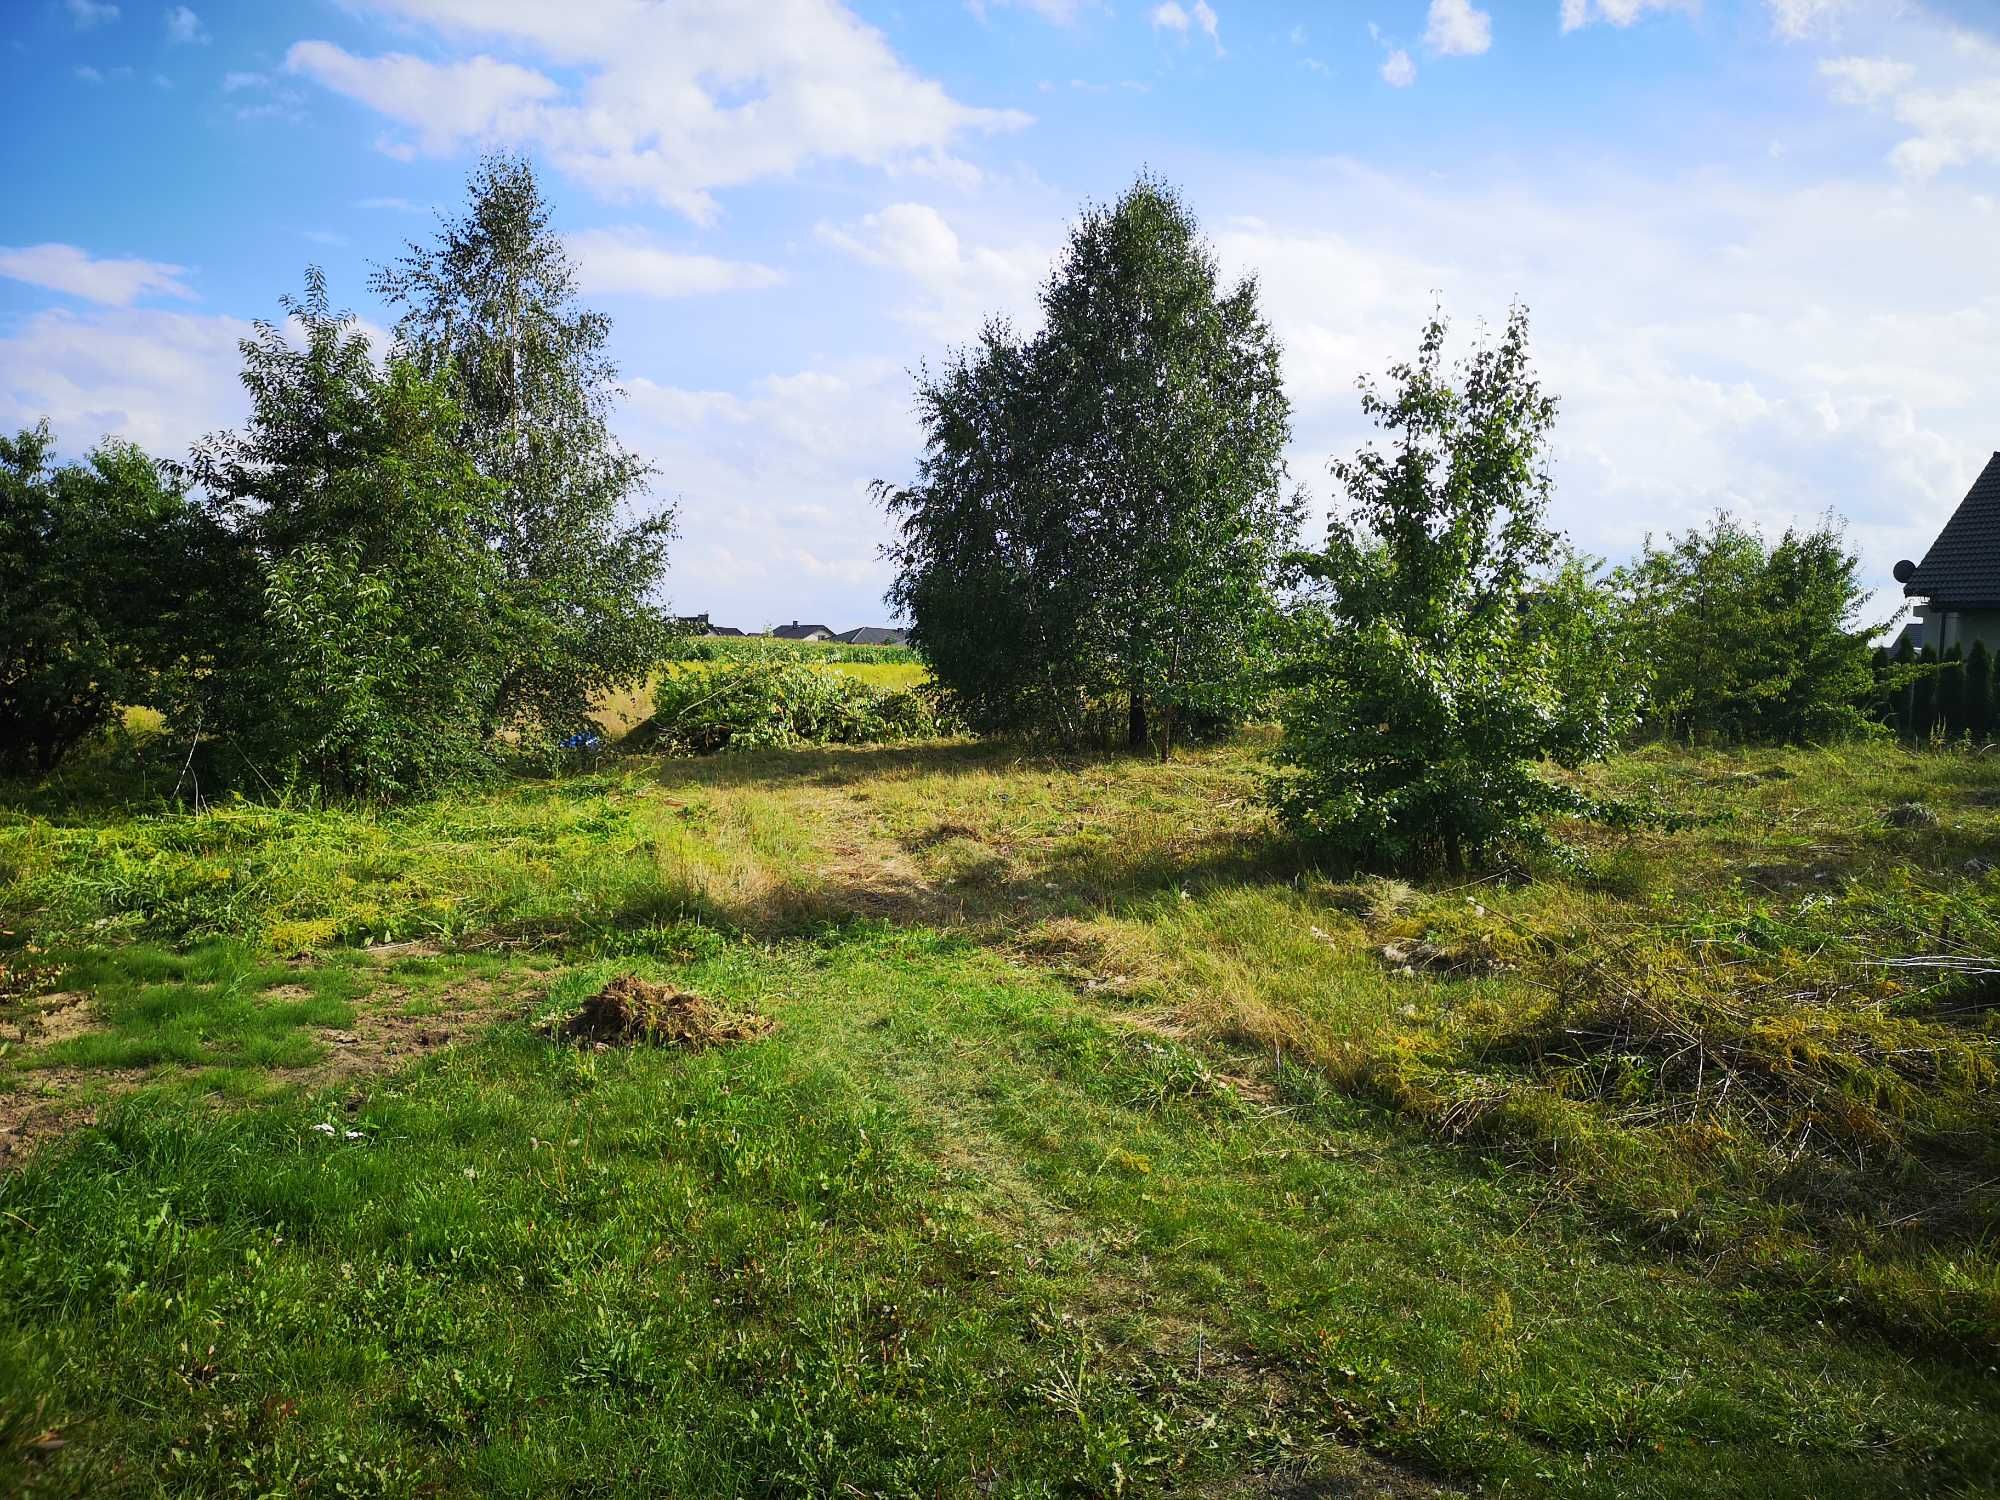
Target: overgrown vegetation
{"type": "Point", "coordinates": [101, 574]}
{"type": "Point", "coordinates": [757, 705]}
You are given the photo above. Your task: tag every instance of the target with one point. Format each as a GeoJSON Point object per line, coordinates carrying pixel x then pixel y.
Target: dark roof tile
{"type": "Point", "coordinates": [1962, 569]}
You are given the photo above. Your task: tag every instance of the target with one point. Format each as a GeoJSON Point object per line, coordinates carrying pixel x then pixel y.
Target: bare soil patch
{"type": "Point", "coordinates": [53, 1101]}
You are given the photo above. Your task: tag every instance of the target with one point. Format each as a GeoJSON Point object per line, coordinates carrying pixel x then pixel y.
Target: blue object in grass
{"type": "Point", "coordinates": [583, 741]}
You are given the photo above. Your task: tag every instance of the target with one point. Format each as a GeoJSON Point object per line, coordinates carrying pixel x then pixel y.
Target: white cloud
{"type": "Point", "coordinates": [672, 102]}
{"type": "Point", "coordinates": [1953, 127]}
{"type": "Point", "coordinates": [161, 379]}
{"type": "Point", "coordinates": [65, 268]}
{"type": "Point", "coordinates": [233, 83]}
{"type": "Point", "coordinates": [956, 286]}
{"type": "Point", "coordinates": [1578, 13]}
{"type": "Point", "coordinates": [1796, 20]}
{"type": "Point", "coordinates": [1713, 343]}
{"type": "Point", "coordinates": [89, 74]}
{"type": "Point", "coordinates": [184, 26]}
{"type": "Point", "coordinates": [1060, 12]}
{"type": "Point", "coordinates": [89, 13]}
{"type": "Point", "coordinates": [629, 260]}
{"type": "Point", "coordinates": [1170, 15]}
{"type": "Point", "coordinates": [397, 205]}
{"type": "Point", "coordinates": [778, 523]}
{"type": "Point", "coordinates": [447, 102]}
{"type": "Point", "coordinates": [1397, 69]}
{"type": "Point", "coordinates": [1457, 28]}
{"type": "Point", "coordinates": [1952, 124]}
{"type": "Point", "coordinates": [1865, 80]}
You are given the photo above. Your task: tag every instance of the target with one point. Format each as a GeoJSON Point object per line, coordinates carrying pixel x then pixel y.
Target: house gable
{"type": "Point", "coordinates": [1962, 569]}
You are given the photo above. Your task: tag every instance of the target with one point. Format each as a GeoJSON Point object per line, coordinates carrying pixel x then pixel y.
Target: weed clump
{"type": "Point", "coordinates": [629, 1011]}
{"type": "Point", "coordinates": [1910, 815]}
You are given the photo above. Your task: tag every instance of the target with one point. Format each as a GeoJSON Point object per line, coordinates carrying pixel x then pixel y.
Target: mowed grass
{"type": "Point", "coordinates": [1105, 1145]}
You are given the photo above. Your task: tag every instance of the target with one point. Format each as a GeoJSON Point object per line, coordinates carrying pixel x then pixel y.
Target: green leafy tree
{"type": "Point", "coordinates": [1100, 513]}
{"type": "Point", "coordinates": [1450, 652]}
{"type": "Point", "coordinates": [97, 563]}
{"type": "Point", "coordinates": [489, 311]}
{"type": "Point", "coordinates": [378, 626]}
{"type": "Point", "coordinates": [1749, 641]}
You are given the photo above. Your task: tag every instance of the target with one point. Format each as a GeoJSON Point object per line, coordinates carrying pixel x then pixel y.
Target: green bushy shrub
{"type": "Point", "coordinates": [759, 648]}
{"type": "Point", "coordinates": [758, 705]}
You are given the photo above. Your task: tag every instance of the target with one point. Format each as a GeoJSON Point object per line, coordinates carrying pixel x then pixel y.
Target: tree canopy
{"type": "Point", "coordinates": [488, 309]}
{"type": "Point", "coordinates": [1099, 516]}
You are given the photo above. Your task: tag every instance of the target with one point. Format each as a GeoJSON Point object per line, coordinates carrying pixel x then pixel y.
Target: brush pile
{"type": "Point", "coordinates": [629, 1011]}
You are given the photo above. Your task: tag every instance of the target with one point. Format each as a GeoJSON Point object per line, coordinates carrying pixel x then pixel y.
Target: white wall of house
{"type": "Point", "coordinates": [1942, 629]}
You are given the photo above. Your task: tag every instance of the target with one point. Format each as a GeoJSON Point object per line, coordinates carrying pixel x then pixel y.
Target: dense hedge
{"type": "Point", "coordinates": [1924, 695]}
{"type": "Point", "coordinates": [758, 704]}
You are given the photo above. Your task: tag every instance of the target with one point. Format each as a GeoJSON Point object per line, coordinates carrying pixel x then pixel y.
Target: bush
{"type": "Point", "coordinates": [760, 648]}
{"type": "Point", "coordinates": [1449, 654]}
{"type": "Point", "coordinates": [1752, 641]}
{"type": "Point", "coordinates": [758, 705]}
{"type": "Point", "coordinates": [98, 565]}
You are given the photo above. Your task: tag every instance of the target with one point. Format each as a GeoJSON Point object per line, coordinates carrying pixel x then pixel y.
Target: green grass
{"type": "Point", "coordinates": [1104, 1145]}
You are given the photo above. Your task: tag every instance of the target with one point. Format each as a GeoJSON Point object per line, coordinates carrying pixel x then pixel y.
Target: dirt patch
{"type": "Point", "coordinates": [383, 1037]}
{"type": "Point", "coordinates": [52, 1019]}
{"type": "Point", "coordinates": [53, 1101]}
{"type": "Point", "coordinates": [629, 1011]}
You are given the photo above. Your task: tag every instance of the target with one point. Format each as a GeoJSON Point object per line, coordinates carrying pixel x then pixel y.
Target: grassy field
{"type": "Point", "coordinates": [1103, 1145]}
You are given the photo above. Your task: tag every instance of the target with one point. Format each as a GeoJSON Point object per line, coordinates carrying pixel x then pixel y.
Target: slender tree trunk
{"type": "Point", "coordinates": [1135, 733]}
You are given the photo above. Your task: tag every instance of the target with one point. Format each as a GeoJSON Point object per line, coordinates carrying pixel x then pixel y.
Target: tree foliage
{"type": "Point", "coordinates": [1100, 511]}
{"type": "Point", "coordinates": [1449, 649]}
{"type": "Point", "coordinates": [489, 311]}
{"type": "Point", "coordinates": [97, 564]}
{"type": "Point", "coordinates": [376, 627]}
{"type": "Point", "coordinates": [1750, 641]}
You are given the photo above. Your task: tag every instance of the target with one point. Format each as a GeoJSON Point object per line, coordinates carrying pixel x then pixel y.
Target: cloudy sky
{"type": "Point", "coordinates": [1758, 237]}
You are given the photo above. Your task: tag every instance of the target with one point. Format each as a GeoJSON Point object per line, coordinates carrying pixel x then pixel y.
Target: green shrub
{"type": "Point", "coordinates": [1448, 653]}
{"type": "Point", "coordinates": [757, 705]}
{"type": "Point", "coordinates": [758, 648]}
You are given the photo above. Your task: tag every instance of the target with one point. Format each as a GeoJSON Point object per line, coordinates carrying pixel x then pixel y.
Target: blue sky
{"type": "Point", "coordinates": [1756, 236]}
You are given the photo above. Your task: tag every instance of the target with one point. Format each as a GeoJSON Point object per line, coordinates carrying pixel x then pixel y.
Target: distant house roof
{"type": "Point", "coordinates": [1962, 569]}
{"type": "Point", "coordinates": [723, 630]}
{"type": "Point", "coordinates": [797, 632]}
{"type": "Point", "coordinates": [873, 635]}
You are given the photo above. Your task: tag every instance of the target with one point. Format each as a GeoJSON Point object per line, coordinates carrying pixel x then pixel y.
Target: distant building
{"type": "Point", "coordinates": [873, 635]}
{"type": "Point", "coordinates": [1959, 578]}
{"type": "Point", "coordinates": [797, 632]}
